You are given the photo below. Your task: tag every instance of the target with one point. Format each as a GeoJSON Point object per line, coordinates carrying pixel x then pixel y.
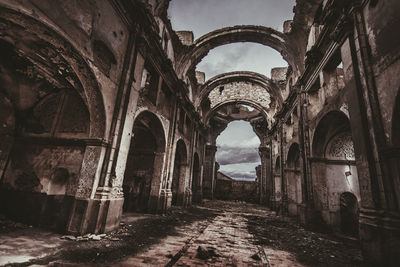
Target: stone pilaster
{"type": "Point", "coordinates": [209, 171]}
{"type": "Point", "coordinates": [265, 179]}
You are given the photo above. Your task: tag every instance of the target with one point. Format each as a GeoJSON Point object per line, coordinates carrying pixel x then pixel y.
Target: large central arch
{"type": "Point", "coordinates": [244, 33]}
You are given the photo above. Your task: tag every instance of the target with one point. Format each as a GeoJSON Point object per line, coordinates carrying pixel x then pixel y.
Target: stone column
{"type": "Point", "coordinates": [101, 209]}
{"type": "Point", "coordinates": [306, 206]}
{"type": "Point", "coordinates": [284, 197]}
{"type": "Point", "coordinates": [265, 179]}
{"type": "Point", "coordinates": [154, 200]}
{"type": "Point", "coordinates": [209, 171]}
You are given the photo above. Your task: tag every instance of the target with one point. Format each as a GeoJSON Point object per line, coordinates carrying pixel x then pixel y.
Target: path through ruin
{"type": "Point", "coordinates": [219, 233]}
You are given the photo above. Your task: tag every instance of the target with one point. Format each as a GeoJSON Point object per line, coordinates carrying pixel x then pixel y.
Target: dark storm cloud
{"type": "Point", "coordinates": [234, 155]}
{"type": "Point", "coordinates": [241, 174]}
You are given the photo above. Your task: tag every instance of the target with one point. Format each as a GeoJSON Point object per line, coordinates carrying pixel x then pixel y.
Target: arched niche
{"type": "Point", "coordinates": [47, 141]}
{"type": "Point", "coordinates": [39, 60]}
{"type": "Point", "coordinates": [196, 179]}
{"type": "Point", "coordinates": [179, 173]}
{"type": "Point", "coordinates": [44, 166]}
{"type": "Point", "coordinates": [142, 178]}
{"type": "Point", "coordinates": [333, 166]}
{"type": "Point", "coordinates": [331, 124]}
{"type": "Point", "coordinates": [293, 179]}
{"type": "Point", "coordinates": [62, 115]}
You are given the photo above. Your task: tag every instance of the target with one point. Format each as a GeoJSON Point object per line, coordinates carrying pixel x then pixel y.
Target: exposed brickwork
{"type": "Point", "coordinates": [240, 91]}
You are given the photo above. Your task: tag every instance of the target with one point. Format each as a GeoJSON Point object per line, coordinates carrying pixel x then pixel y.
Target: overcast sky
{"type": "Point", "coordinates": [238, 144]}
{"type": "Point", "coordinates": [203, 16]}
{"type": "Point", "coordinates": [237, 151]}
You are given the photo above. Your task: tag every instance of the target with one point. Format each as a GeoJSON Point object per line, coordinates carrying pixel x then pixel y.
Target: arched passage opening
{"type": "Point", "coordinates": [239, 163]}
{"type": "Point", "coordinates": [59, 120]}
{"type": "Point", "coordinates": [245, 33]}
{"type": "Point", "coordinates": [236, 128]}
{"type": "Point", "coordinates": [196, 181]}
{"type": "Point", "coordinates": [293, 179]}
{"type": "Point", "coordinates": [143, 171]}
{"type": "Point", "coordinates": [333, 166]}
{"type": "Point", "coordinates": [179, 173]}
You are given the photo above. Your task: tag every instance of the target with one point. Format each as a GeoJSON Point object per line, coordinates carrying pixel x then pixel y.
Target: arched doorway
{"type": "Point", "coordinates": [196, 183]}
{"type": "Point", "coordinates": [59, 117]}
{"type": "Point", "coordinates": [349, 214]}
{"type": "Point", "coordinates": [144, 164]}
{"type": "Point", "coordinates": [333, 166]}
{"type": "Point", "coordinates": [293, 177]}
{"type": "Point", "coordinates": [179, 174]}
{"type": "Point", "coordinates": [44, 159]}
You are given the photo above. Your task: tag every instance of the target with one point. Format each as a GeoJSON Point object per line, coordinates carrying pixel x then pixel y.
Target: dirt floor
{"type": "Point", "coordinates": [219, 233]}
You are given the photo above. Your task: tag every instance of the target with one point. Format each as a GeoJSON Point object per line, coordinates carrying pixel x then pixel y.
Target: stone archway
{"type": "Point", "coordinates": [333, 166]}
{"type": "Point", "coordinates": [59, 118]}
{"type": "Point", "coordinates": [293, 179]}
{"type": "Point", "coordinates": [43, 167]}
{"type": "Point", "coordinates": [179, 174]}
{"type": "Point", "coordinates": [142, 178]}
{"type": "Point", "coordinates": [196, 181]}
{"type": "Point", "coordinates": [64, 66]}
{"type": "Point", "coordinates": [245, 33]}
{"type": "Point", "coordinates": [246, 77]}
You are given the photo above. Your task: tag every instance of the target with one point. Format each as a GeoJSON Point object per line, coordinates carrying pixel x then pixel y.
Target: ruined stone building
{"type": "Point", "coordinates": [102, 112]}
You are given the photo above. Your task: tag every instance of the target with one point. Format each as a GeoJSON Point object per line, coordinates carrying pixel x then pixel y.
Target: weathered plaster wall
{"type": "Point", "coordinates": [46, 169]}
{"type": "Point", "coordinates": [382, 27]}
